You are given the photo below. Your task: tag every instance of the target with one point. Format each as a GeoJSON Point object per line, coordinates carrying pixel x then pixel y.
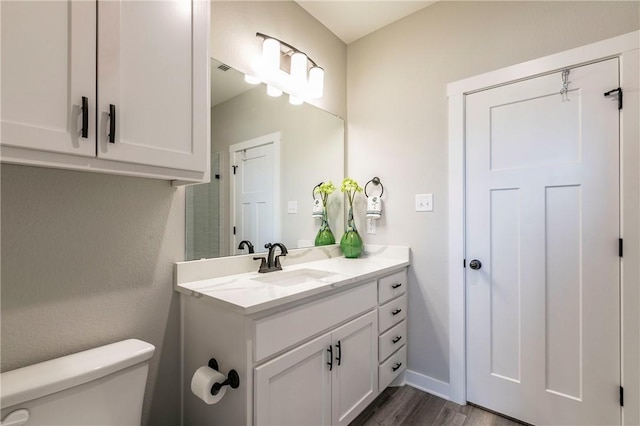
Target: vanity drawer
{"type": "Point", "coordinates": [391, 368]}
{"type": "Point", "coordinates": [392, 313]}
{"type": "Point", "coordinates": [392, 286]}
{"type": "Point", "coordinates": [391, 340]}
{"type": "Point", "coordinates": [280, 331]}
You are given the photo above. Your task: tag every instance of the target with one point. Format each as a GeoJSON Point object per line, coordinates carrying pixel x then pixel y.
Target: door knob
{"type": "Point", "coordinates": [475, 264]}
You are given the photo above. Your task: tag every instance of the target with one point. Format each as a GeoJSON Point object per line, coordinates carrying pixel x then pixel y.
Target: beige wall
{"type": "Point", "coordinates": [87, 260]}
{"type": "Point", "coordinates": [397, 126]}
{"type": "Point", "coordinates": [234, 41]}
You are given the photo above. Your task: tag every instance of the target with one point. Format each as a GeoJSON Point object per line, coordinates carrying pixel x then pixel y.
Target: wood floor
{"type": "Point", "coordinates": [405, 405]}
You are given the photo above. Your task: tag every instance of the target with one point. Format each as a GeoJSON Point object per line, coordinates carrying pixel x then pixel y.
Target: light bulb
{"type": "Point", "coordinates": [271, 55]}
{"type": "Point", "coordinates": [251, 79]}
{"type": "Point", "coordinates": [272, 91]}
{"type": "Point", "coordinates": [294, 101]}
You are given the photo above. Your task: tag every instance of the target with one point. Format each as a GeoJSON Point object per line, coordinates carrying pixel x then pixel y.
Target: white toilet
{"type": "Point", "coordinates": [103, 386]}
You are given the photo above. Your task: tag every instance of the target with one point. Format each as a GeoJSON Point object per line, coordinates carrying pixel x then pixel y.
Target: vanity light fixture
{"type": "Point", "coordinates": [305, 79]}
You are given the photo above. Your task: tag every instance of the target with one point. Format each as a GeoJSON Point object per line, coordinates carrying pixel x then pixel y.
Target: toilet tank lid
{"type": "Point", "coordinates": [38, 380]}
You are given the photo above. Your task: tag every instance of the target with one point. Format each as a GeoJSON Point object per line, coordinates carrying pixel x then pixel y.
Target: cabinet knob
{"type": "Point", "coordinates": [112, 123]}
{"type": "Point", "coordinates": [396, 340]}
{"type": "Point", "coordinates": [396, 285]}
{"type": "Point", "coordinates": [396, 312]}
{"type": "Point", "coordinates": [395, 367]}
{"type": "Point", "coordinates": [85, 117]}
{"type": "Point", "coordinates": [330, 363]}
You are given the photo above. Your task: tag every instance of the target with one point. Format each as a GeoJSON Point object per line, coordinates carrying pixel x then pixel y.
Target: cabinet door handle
{"type": "Point", "coordinates": [396, 340]}
{"type": "Point", "coordinates": [330, 363]}
{"type": "Point", "coordinates": [396, 312]}
{"type": "Point", "coordinates": [339, 357]}
{"type": "Point", "coordinates": [395, 367]}
{"type": "Point", "coordinates": [85, 117]}
{"type": "Point", "coordinates": [112, 123]}
{"type": "Point", "coordinates": [396, 285]}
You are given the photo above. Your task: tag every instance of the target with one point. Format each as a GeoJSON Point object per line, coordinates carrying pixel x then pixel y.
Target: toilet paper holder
{"type": "Point", "coordinates": [233, 379]}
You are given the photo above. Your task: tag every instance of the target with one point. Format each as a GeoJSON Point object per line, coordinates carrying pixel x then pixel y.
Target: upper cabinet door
{"type": "Point", "coordinates": [152, 73]}
{"type": "Point", "coordinates": [48, 66]}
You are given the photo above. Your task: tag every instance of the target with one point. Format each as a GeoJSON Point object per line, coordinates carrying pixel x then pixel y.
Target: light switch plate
{"type": "Point", "coordinates": [292, 207]}
{"type": "Point", "coordinates": [424, 202]}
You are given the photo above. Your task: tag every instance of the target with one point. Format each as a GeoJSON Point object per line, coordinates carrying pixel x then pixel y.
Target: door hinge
{"type": "Point", "coordinates": [621, 396]}
{"type": "Point", "coordinates": [234, 169]}
{"type": "Point", "coordinates": [620, 247]}
{"type": "Point", "coordinates": [619, 92]}
{"type": "Point", "coordinates": [217, 176]}
{"type": "Point", "coordinates": [234, 230]}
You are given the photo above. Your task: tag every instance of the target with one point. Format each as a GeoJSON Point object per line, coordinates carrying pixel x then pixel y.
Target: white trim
{"type": "Point", "coordinates": [428, 384]}
{"type": "Point", "coordinates": [626, 48]}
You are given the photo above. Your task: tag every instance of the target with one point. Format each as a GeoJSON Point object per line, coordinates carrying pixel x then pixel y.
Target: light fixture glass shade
{"type": "Point", "coordinates": [251, 79]}
{"type": "Point", "coordinates": [273, 91]}
{"type": "Point", "coordinates": [270, 55]}
{"type": "Point", "coordinates": [295, 101]}
{"type": "Point", "coordinates": [299, 68]}
{"type": "Point", "coordinates": [316, 82]}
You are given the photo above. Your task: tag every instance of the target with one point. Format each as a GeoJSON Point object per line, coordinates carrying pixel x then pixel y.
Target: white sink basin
{"type": "Point", "coordinates": [291, 278]}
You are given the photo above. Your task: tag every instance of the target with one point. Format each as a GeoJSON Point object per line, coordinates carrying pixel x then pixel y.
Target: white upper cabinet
{"type": "Point", "coordinates": [142, 67]}
{"type": "Point", "coordinates": [48, 66]}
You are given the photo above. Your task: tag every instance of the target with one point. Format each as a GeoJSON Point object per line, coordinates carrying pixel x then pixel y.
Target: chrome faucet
{"type": "Point", "coordinates": [246, 244]}
{"type": "Point", "coordinates": [271, 262]}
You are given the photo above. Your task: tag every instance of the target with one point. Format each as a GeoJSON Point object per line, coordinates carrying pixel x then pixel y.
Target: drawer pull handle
{"type": "Point", "coordinates": [396, 312]}
{"type": "Point", "coordinates": [396, 285]}
{"type": "Point", "coordinates": [330, 363]}
{"type": "Point", "coordinates": [339, 357]}
{"type": "Point", "coordinates": [85, 117]}
{"type": "Point", "coordinates": [396, 340]}
{"type": "Point", "coordinates": [112, 123]}
{"type": "Point", "coordinates": [395, 367]}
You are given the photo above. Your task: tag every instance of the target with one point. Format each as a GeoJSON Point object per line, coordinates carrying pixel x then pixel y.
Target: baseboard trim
{"type": "Point", "coordinates": [428, 384]}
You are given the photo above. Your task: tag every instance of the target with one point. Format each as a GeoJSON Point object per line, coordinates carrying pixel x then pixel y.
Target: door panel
{"type": "Point", "coordinates": [144, 46]}
{"type": "Point", "coordinates": [295, 388]}
{"type": "Point", "coordinates": [542, 214]}
{"type": "Point", "coordinates": [48, 65]}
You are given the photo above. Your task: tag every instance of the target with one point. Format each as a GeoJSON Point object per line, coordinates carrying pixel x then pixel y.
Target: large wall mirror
{"type": "Point", "coordinates": [266, 157]}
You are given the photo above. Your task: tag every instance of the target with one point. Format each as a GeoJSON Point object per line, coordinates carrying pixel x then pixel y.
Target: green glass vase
{"type": "Point", "coordinates": [351, 242]}
{"type": "Point", "coordinates": [325, 236]}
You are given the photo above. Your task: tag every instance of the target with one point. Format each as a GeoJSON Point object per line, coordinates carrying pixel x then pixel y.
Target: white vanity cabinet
{"type": "Point", "coordinates": [329, 380]}
{"type": "Point", "coordinates": [115, 86]}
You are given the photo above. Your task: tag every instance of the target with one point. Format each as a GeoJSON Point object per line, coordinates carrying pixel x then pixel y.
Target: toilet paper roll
{"type": "Point", "coordinates": [202, 381]}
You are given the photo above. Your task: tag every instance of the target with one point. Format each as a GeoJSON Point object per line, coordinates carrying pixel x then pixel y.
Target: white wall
{"type": "Point", "coordinates": [397, 123]}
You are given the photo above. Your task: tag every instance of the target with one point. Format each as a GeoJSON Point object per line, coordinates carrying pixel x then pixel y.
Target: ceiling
{"type": "Point", "coordinates": [353, 19]}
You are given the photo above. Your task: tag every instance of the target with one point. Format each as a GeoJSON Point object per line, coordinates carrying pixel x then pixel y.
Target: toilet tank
{"type": "Point", "coordinates": [101, 386]}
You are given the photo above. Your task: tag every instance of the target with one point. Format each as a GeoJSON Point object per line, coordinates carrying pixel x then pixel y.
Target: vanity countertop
{"type": "Point", "coordinates": [252, 292]}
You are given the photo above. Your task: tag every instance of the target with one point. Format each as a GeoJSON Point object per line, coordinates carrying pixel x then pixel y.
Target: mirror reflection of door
{"type": "Point", "coordinates": [255, 191]}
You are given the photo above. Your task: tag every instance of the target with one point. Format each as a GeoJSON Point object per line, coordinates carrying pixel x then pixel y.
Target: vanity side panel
{"type": "Point", "coordinates": [211, 332]}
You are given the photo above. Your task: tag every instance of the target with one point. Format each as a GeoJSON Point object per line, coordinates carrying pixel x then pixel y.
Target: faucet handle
{"type": "Point", "coordinates": [277, 265]}
{"type": "Point", "coordinates": [263, 264]}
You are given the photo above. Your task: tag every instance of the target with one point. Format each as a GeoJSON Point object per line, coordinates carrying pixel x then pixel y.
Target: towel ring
{"type": "Point", "coordinates": [376, 182]}
{"type": "Point", "coordinates": [313, 191]}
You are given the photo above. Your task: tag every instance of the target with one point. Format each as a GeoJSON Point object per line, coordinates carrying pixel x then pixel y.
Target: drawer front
{"type": "Point", "coordinates": [280, 331]}
{"type": "Point", "coordinates": [392, 313]}
{"type": "Point", "coordinates": [391, 340]}
{"type": "Point", "coordinates": [391, 368]}
{"type": "Point", "coordinates": [392, 286]}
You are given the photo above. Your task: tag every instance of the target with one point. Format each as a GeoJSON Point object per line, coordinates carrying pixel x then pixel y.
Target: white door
{"type": "Point", "coordinates": [295, 388]}
{"type": "Point", "coordinates": [48, 66]}
{"type": "Point", "coordinates": [355, 371]}
{"type": "Point", "coordinates": [151, 83]}
{"type": "Point", "coordinates": [254, 192]}
{"type": "Point", "coordinates": [542, 217]}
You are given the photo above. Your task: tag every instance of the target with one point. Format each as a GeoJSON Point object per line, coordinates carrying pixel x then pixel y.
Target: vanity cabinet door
{"type": "Point", "coordinates": [295, 388]}
{"type": "Point", "coordinates": [152, 83]}
{"type": "Point", "coordinates": [355, 373]}
{"type": "Point", "coordinates": [48, 66]}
